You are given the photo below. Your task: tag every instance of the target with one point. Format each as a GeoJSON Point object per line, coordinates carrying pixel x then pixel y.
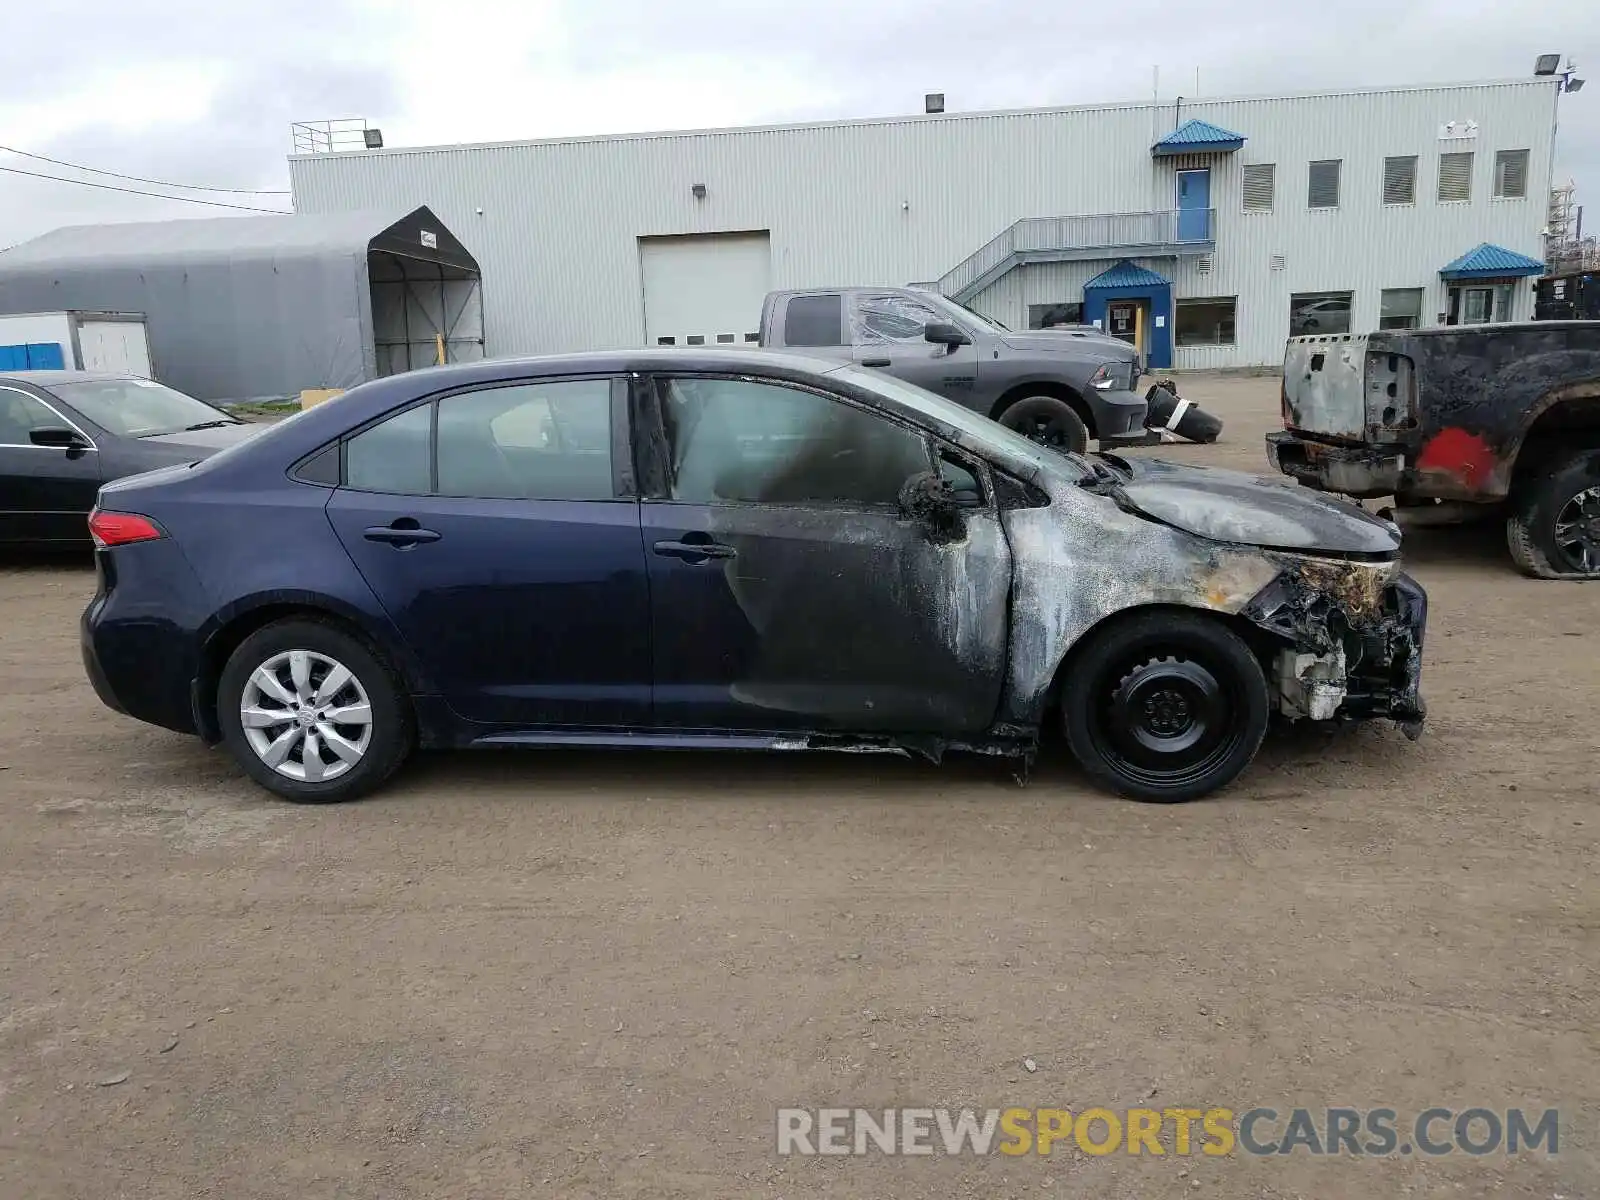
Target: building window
{"type": "Point", "coordinates": [1455, 177]}
{"type": "Point", "coordinates": [1400, 308]}
{"type": "Point", "coordinates": [1206, 322]}
{"type": "Point", "coordinates": [1400, 179]}
{"type": "Point", "coordinates": [1049, 316]}
{"type": "Point", "coordinates": [1260, 182]}
{"type": "Point", "coordinates": [1479, 303]}
{"type": "Point", "coordinates": [1323, 184]}
{"type": "Point", "coordinates": [1319, 312]}
{"type": "Point", "coordinates": [1511, 174]}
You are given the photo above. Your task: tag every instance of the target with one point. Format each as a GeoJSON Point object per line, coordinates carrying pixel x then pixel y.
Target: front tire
{"type": "Point", "coordinates": [1165, 707]}
{"type": "Point", "coordinates": [1048, 421]}
{"type": "Point", "coordinates": [312, 713]}
{"type": "Point", "coordinates": [1553, 527]}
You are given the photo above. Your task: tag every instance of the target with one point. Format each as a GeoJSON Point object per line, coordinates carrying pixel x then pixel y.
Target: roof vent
{"type": "Point", "coordinates": [933, 102]}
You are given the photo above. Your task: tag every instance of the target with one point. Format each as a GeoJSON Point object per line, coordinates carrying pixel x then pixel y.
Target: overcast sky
{"type": "Point", "coordinates": [203, 91]}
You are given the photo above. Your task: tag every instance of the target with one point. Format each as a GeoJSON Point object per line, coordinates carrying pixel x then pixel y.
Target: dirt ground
{"type": "Point", "coordinates": [586, 975]}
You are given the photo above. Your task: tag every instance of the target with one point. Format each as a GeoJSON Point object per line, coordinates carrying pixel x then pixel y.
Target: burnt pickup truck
{"type": "Point", "coordinates": [1457, 423]}
{"type": "Point", "coordinates": [1058, 387]}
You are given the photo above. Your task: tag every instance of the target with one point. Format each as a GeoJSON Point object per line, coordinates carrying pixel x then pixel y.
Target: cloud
{"type": "Point", "coordinates": [205, 91]}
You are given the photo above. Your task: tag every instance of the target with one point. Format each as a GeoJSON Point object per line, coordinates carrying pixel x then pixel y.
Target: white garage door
{"type": "Point", "coordinates": [704, 290]}
{"type": "Point", "coordinates": [116, 346]}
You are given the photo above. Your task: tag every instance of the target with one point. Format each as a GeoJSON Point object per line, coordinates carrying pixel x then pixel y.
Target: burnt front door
{"type": "Point", "coordinates": [787, 590]}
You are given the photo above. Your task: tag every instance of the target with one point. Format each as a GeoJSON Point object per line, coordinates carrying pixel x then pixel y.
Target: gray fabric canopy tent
{"type": "Point", "coordinates": [248, 307]}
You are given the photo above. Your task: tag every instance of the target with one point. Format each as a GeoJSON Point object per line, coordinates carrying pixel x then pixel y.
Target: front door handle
{"type": "Point", "coordinates": [874, 362]}
{"type": "Point", "coordinates": [402, 533]}
{"type": "Point", "coordinates": [694, 552]}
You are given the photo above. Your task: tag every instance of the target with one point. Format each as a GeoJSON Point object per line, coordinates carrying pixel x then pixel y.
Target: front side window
{"type": "Point", "coordinates": [891, 318]}
{"type": "Point", "coordinates": [535, 441]}
{"type": "Point", "coordinates": [741, 441]}
{"type": "Point", "coordinates": [20, 415]}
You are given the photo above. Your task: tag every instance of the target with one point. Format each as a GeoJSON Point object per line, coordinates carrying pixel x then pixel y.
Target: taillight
{"type": "Point", "coordinates": [118, 529]}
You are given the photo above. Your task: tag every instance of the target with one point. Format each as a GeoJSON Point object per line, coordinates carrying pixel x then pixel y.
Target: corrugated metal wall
{"type": "Point", "coordinates": [887, 202]}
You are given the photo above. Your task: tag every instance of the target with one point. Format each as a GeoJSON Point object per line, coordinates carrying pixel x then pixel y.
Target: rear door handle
{"type": "Point", "coordinates": [694, 552]}
{"type": "Point", "coordinates": [402, 533]}
{"type": "Point", "coordinates": [874, 362]}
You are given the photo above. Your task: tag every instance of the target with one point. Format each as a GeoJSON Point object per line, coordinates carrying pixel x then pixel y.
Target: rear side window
{"type": "Point", "coordinates": [393, 456]}
{"type": "Point", "coordinates": [814, 321]}
{"type": "Point", "coordinates": [537, 441]}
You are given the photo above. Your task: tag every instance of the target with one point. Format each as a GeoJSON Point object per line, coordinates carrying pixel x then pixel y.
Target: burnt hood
{"type": "Point", "coordinates": [1231, 506]}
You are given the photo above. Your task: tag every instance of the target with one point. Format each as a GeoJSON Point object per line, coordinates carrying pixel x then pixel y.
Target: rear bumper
{"type": "Point", "coordinates": [1351, 470]}
{"type": "Point", "coordinates": [139, 659]}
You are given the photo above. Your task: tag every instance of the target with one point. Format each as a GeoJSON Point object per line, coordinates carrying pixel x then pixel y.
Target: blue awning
{"type": "Point", "coordinates": [1198, 137]}
{"type": "Point", "coordinates": [1491, 262]}
{"type": "Point", "coordinates": [1127, 274]}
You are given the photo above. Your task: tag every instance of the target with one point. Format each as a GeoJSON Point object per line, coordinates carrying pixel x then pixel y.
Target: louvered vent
{"type": "Point", "coordinates": [1277, 262]}
{"type": "Point", "coordinates": [1259, 185]}
{"type": "Point", "coordinates": [1455, 177]}
{"type": "Point", "coordinates": [1203, 264]}
{"type": "Point", "coordinates": [1400, 180]}
{"type": "Point", "coordinates": [1322, 189]}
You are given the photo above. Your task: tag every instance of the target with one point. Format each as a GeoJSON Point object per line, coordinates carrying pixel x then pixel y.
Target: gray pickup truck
{"type": "Point", "coordinates": [1060, 387]}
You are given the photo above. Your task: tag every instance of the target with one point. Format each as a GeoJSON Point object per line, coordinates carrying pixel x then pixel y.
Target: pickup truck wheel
{"type": "Point", "coordinates": [1553, 529]}
{"type": "Point", "coordinates": [1049, 421]}
{"type": "Point", "coordinates": [1165, 706]}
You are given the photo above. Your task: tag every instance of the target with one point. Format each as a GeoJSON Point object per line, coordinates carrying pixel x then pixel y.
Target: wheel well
{"type": "Point", "coordinates": [1571, 423]}
{"type": "Point", "coordinates": [226, 640]}
{"type": "Point", "coordinates": [1059, 391]}
{"type": "Point", "coordinates": [1263, 644]}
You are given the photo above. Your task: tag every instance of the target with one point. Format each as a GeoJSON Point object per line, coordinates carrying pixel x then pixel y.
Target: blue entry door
{"type": "Point", "coordinates": [1194, 205]}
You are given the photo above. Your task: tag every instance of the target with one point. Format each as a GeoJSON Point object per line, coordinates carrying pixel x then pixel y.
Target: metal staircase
{"type": "Point", "coordinates": [1163, 234]}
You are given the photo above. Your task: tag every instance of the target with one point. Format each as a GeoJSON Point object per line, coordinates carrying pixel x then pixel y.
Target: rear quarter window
{"type": "Point", "coordinates": [814, 321]}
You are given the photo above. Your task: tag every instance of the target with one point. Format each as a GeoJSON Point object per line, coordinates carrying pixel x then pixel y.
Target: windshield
{"type": "Point", "coordinates": [983, 431]}
{"type": "Point", "coordinates": [139, 407]}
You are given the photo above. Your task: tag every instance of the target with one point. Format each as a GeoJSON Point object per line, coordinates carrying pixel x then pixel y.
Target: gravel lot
{"type": "Point", "coordinates": [579, 975]}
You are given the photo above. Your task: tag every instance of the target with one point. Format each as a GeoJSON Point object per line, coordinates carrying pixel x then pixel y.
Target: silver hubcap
{"type": "Point", "coordinates": [1578, 530]}
{"type": "Point", "coordinates": [306, 716]}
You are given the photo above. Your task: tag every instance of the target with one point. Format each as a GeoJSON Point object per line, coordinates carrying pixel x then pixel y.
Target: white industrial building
{"type": "Point", "coordinates": [1207, 229]}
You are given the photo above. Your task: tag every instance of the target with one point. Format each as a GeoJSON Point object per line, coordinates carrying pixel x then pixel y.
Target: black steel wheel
{"type": "Point", "coordinates": [1553, 526]}
{"type": "Point", "coordinates": [1165, 706]}
{"type": "Point", "coordinates": [1048, 421]}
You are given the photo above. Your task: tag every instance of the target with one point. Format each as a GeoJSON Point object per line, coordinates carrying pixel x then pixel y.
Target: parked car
{"type": "Point", "coordinates": [1456, 423]}
{"type": "Point", "coordinates": [732, 550]}
{"type": "Point", "coordinates": [1061, 387]}
{"type": "Point", "coordinates": [64, 433]}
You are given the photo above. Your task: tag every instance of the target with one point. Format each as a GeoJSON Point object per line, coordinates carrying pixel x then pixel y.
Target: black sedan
{"type": "Point", "coordinates": [64, 433]}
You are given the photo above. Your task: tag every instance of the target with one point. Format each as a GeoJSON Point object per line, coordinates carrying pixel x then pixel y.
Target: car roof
{"type": "Point", "coordinates": [45, 378]}
{"type": "Point", "coordinates": [666, 358]}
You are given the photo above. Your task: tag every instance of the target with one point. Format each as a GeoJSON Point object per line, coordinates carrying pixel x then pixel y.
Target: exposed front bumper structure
{"type": "Point", "coordinates": [1352, 642]}
{"type": "Point", "coordinates": [1350, 470]}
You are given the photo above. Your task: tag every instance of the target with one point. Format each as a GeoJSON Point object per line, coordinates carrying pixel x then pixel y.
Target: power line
{"type": "Point", "coordinates": [111, 187]}
{"type": "Point", "coordinates": [191, 187]}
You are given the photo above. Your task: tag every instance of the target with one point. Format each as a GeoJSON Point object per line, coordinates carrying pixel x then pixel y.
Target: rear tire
{"type": "Point", "coordinates": [1165, 706]}
{"type": "Point", "coordinates": [1048, 421]}
{"type": "Point", "coordinates": [312, 713]}
{"type": "Point", "coordinates": [1553, 525]}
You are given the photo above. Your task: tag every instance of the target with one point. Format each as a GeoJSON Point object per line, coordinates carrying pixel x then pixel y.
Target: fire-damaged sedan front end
{"type": "Point", "coordinates": [1349, 622]}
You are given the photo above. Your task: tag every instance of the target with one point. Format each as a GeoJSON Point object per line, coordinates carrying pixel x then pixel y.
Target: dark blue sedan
{"type": "Point", "coordinates": [736, 550]}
